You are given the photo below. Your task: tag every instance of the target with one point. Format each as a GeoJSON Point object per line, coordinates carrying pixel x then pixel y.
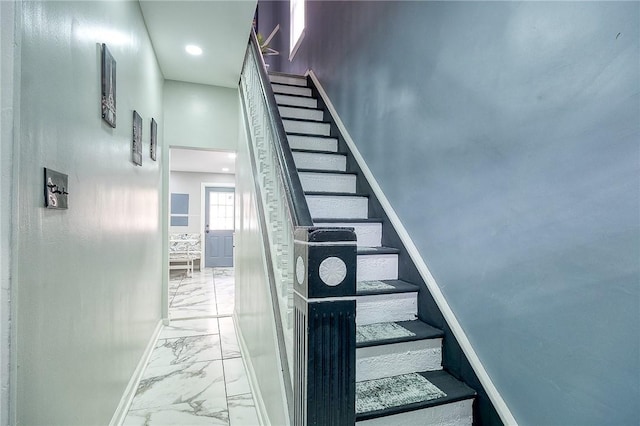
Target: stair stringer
{"type": "Point", "coordinates": [459, 356]}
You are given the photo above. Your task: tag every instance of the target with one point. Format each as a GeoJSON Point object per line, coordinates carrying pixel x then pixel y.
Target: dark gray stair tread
{"type": "Point", "coordinates": [455, 390]}
{"type": "Point", "coordinates": [284, 74]}
{"type": "Point", "coordinates": [399, 286]}
{"type": "Point", "coordinates": [333, 172]}
{"type": "Point", "coordinates": [296, 96]}
{"type": "Point", "coordinates": [314, 151]}
{"type": "Point", "coordinates": [338, 194]}
{"type": "Point", "coordinates": [289, 85]}
{"type": "Point", "coordinates": [305, 135]}
{"type": "Point", "coordinates": [351, 220]}
{"type": "Point", "coordinates": [305, 120]}
{"type": "Point", "coordinates": [421, 331]}
{"type": "Point", "coordinates": [377, 250]}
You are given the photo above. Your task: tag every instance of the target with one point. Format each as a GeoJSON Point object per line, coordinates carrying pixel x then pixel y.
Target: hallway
{"type": "Point", "coordinates": [196, 374]}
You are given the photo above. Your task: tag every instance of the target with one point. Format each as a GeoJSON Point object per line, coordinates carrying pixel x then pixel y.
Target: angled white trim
{"type": "Point", "coordinates": [432, 285]}
{"type": "Point", "coordinates": [297, 46]}
{"type": "Point", "coordinates": [130, 391]}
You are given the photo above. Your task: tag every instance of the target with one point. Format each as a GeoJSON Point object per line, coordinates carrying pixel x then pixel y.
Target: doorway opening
{"type": "Point", "coordinates": [201, 225]}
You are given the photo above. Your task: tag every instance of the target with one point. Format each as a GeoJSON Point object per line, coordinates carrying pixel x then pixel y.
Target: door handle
{"type": "Point", "coordinates": [206, 229]}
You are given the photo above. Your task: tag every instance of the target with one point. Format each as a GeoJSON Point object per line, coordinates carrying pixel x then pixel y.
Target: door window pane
{"type": "Point", "coordinates": [221, 210]}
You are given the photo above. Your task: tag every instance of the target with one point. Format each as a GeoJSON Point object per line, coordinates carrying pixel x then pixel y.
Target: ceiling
{"type": "Point", "coordinates": [193, 160]}
{"type": "Point", "coordinates": [220, 27]}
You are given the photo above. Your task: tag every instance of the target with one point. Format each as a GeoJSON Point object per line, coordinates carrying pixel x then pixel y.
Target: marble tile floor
{"type": "Point", "coordinates": [196, 374]}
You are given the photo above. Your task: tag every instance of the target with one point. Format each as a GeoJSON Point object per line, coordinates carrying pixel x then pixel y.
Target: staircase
{"type": "Point", "coordinates": [399, 375]}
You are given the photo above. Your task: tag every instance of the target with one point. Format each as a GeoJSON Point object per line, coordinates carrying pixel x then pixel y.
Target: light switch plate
{"type": "Point", "coordinates": [56, 189]}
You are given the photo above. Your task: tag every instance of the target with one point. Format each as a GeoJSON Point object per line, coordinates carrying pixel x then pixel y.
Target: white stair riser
{"type": "Point", "coordinates": [377, 267]}
{"type": "Point", "coordinates": [459, 413]}
{"type": "Point", "coordinates": [296, 101]}
{"type": "Point", "coordinates": [327, 182]}
{"type": "Point", "coordinates": [302, 113]}
{"type": "Point", "coordinates": [307, 127]}
{"type": "Point", "coordinates": [290, 90]}
{"type": "Point", "coordinates": [312, 143]}
{"type": "Point", "coordinates": [386, 308]}
{"type": "Point", "coordinates": [335, 207]}
{"type": "Point", "coordinates": [282, 79]}
{"type": "Point", "coordinates": [376, 362]}
{"type": "Point", "coordinates": [369, 233]}
{"type": "Point", "coordinates": [311, 160]}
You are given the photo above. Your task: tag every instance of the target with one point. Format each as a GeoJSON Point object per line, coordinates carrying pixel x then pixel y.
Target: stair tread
{"type": "Point", "coordinates": [454, 389]}
{"type": "Point", "coordinates": [313, 151]}
{"type": "Point", "coordinates": [284, 74]}
{"type": "Point", "coordinates": [294, 95]}
{"type": "Point", "coordinates": [384, 287]}
{"type": "Point", "coordinates": [413, 330]}
{"type": "Point", "coordinates": [305, 135]}
{"type": "Point", "coordinates": [305, 120]}
{"type": "Point", "coordinates": [333, 220]}
{"type": "Point", "coordinates": [302, 107]}
{"type": "Point", "coordinates": [338, 194]}
{"type": "Point", "coordinates": [290, 85]}
{"type": "Point", "coordinates": [363, 250]}
{"type": "Point", "coordinates": [327, 172]}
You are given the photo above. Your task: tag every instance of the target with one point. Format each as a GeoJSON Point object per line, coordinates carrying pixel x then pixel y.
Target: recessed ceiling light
{"type": "Point", "coordinates": [232, 155]}
{"type": "Point", "coordinates": [225, 169]}
{"type": "Point", "coordinates": [194, 50]}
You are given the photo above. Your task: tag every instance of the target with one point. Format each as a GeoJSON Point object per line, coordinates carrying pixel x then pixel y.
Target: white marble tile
{"type": "Point", "coordinates": [242, 410]}
{"type": "Point", "coordinates": [186, 350]}
{"type": "Point", "coordinates": [193, 311]}
{"type": "Point", "coordinates": [199, 385]}
{"type": "Point", "coordinates": [235, 377]}
{"type": "Point", "coordinates": [176, 414]}
{"type": "Point", "coordinates": [230, 348]}
{"type": "Point", "coordinates": [194, 327]}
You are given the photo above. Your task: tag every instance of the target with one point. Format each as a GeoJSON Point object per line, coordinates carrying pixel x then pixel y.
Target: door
{"type": "Point", "coordinates": [218, 227]}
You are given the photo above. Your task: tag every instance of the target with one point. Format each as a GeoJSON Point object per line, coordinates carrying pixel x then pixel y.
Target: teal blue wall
{"type": "Point", "coordinates": [516, 127]}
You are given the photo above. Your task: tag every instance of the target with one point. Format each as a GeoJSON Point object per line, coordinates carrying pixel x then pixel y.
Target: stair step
{"type": "Point", "coordinates": [319, 160]}
{"type": "Point", "coordinates": [294, 100]}
{"type": "Point", "coordinates": [331, 205]}
{"type": "Point", "coordinates": [377, 263]}
{"type": "Point", "coordinates": [369, 233]}
{"type": "Point", "coordinates": [395, 332]}
{"type": "Point", "coordinates": [428, 397]}
{"type": "Point", "coordinates": [397, 304]}
{"type": "Point", "coordinates": [394, 348]}
{"type": "Point", "coordinates": [306, 127]}
{"type": "Point", "coordinates": [313, 143]}
{"type": "Point", "coordinates": [286, 89]}
{"type": "Point", "coordinates": [328, 182]}
{"type": "Point", "coordinates": [293, 80]}
{"type": "Point", "coordinates": [376, 362]}
{"type": "Point", "coordinates": [301, 113]}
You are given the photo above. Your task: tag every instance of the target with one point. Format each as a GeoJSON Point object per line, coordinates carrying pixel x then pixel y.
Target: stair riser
{"type": "Point", "coordinates": [289, 90]}
{"type": "Point", "coordinates": [312, 143]}
{"type": "Point", "coordinates": [376, 362]}
{"type": "Point", "coordinates": [296, 101]}
{"type": "Point", "coordinates": [307, 127]}
{"type": "Point", "coordinates": [325, 182]}
{"type": "Point", "coordinates": [377, 267]}
{"type": "Point", "coordinates": [301, 113]}
{"type": "Point", "coordinates": [331, 207]}
{"type": "Point", "coordinates": [369, 234]}
{"type": "Point", "coordinates": [458, 413]}
{"type": "Point", "coordinates": [281, 79]}
{"type": "Point", "coordinates": [386, 308]}
{"type": "Point", "coordinates": [310, 160]}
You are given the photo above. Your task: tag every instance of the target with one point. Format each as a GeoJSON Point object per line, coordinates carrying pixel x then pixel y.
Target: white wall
{"type": "Point", "coordinates": [253, 306]}
{"type": "Point", "coordinates": [200, 116]}
{"type": "Point", "coordinates": [191, 183]}
{"type": "Point", "coordinates": [7, 10]}
{"type": "Point", "coordinates": [88, 279]}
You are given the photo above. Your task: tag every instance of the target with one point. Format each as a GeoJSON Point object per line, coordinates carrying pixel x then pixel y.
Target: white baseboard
{"type": "Point", "coordinates": [261, 409]}
{"type": "Point", "coordinates": [434, 289]}
{"type": "Point", "coordinates": [132, 386]}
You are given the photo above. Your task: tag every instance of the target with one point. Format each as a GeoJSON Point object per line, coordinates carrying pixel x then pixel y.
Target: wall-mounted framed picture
{"type": "Point", "coordinates": [154, 139]}
{"type": "Point", "coordinates": [108, 87]}
{"type": "Point", "coordinates": [136, 145]}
